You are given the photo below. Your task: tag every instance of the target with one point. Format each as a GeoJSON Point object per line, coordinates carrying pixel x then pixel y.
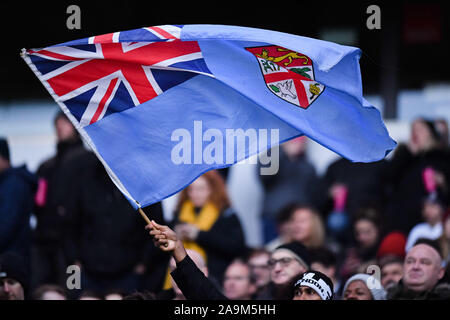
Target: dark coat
{"type": "Point", "coordinates": [59, 172]}
{"type": "Point", "coordinates": [440, 292]}
{"type": "Point", "coordinates": [193, 283]}
{"type": "Point", "coordinates": [405, 187]}
{"type": "Point", "coordinates": [17, 188]}
{"type": "Point", "coordinates": [363, 180]}
{"type": "Point", "coordinates": [106, 234]}
{"type": "Point", "coordinates": [295, 182]}
{"type": "Point", "coordinates": [224, 242]}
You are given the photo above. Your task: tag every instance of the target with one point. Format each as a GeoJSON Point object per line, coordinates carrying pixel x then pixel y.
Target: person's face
{"type": "Point", "coordinates": [259, 267]}
{"type": "Point", "coordinates": [300, 225]}
{"type": "Point", "coordinates": [306, 293]}
{"type": "Point", "coordinates": [432, 212]}
{"type": "Point", "coordinates": [10, 289]}
{"type": "Point", "coordinates": [357, 290]}
{"type": "Point", "coordinates": [295, 147]}
{"type": "Point", "coordinates": [4, 164]}
{"type": "Point", "coordinates": [236, 284]}
{"type": "Point", "coordinates": [391, 274]}
{"type": "Point", "coordinates": [420, 134]}
{"type": "Point", "coordinates": [64, 129]}
{"type": "Point", "coordinates": [284, 267]}
{"type": "Point", "coordinates": [366, 233]}
{"type": "Point", "coordinates": [422, 268]}
{"type": "Point", "coordinates": [199, 192]}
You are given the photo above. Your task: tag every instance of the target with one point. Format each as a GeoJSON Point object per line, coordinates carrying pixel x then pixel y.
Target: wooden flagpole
{"type": "Point", "coordinates": [143, 215]}
{"type": "Point", "coordinates": [147, 220]}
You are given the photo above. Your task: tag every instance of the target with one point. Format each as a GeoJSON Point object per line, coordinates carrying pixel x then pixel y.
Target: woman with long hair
{"type": "Point", "coordinates": [205, 222]}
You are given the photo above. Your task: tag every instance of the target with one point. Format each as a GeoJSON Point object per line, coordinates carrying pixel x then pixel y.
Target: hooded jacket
{"type": "Point", "coordinates": [59, 173]}
{"type": "Point", "coordinates": [17, 188]}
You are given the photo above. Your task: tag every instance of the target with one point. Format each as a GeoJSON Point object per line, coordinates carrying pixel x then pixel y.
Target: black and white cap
{"type": "Point", "coordinates": [317, 281]}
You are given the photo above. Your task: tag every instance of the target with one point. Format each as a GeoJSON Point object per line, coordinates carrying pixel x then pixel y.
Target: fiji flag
{"type": "Point", "coordinates": [153, 102]}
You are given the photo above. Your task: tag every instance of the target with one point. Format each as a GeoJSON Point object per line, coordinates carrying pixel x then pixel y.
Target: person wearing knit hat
{"type": "Point", "coordinates": [288, 261]}
{"type": "Point", "coordinates": [363, 286]}
{"type": "Point", "coordinates": [313, 285]}
{"type": "Point", "coordinates": [393, 244]}
{"type": "Point", "coordinates": [13, 277]}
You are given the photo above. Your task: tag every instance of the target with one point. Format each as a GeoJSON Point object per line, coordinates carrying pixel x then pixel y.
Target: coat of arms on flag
{"type": "Point", "coordinates": [288, 74]}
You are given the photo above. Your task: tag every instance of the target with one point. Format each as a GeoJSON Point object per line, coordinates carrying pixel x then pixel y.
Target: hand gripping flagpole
{"type": "Point", "coordinates": [147, 220]}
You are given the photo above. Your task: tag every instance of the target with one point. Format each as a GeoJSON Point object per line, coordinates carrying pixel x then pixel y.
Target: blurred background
{"type": "Point", "coordinates": [404, 64]}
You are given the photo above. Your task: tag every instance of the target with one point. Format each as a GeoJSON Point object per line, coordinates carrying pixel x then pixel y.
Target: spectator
{"type": "Point", "coordinates": [422, 273]}
{"type": "Point", "coordinates": [393, 244]}
{"type": "Point", "coordinates": [14, 279]}
{"type": "Point", "coordinates": [313, 285]}
{"type": "Point", "coordinates": [55, 176]}
{"type": "Point", "coordinates": [362, 286]}
{"type": "Point", "coordinates": [205, 222]}
{"type": "Point", "coordinates": [199, 262]}
{"type": "Point", "coordinates": [391, 268]}
{"type": "Point", "coordinates": [306, 226]}
{"type": "Point", "coordinates": [433, 210]}
{"type": "Point", "coordinates": [192, 282]}
{"type": "Point", "coordinates": [239, 283]}
{"type": "Point", "coordinates": [325, 261]}
{"type": "Point", "coordinates": [295, 181]}
{"type": "Point", "coordinates": [404, 175]}
{"type": "Point", "coordinates": [17, 188]}
{"type": "Point", "coordinates": [282, 228]}
{"type": "Point", "coordinates": [49, 292]}
{"type": "Point", "coordinates": [287, 263]}
{"type": "Point", "coordinates": [367, 235]}
{"type": "Point", "coordinates": [258, 261]}
{"type": "Point", "coordinates": [363, 182]}
{"type": "Point", "coordinates": [303, 224]}
{"type": "Point", "coordinates": [106, 239]}
{"type": "Point", "coordinates": [422, 270]}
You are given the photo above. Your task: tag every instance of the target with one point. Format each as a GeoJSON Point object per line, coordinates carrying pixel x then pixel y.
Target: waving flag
{"type": "Point", "coordinates": [135, 95]}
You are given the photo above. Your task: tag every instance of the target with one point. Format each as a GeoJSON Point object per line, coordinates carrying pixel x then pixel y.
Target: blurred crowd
{"type": "Point", "coordinates": [366, 231]}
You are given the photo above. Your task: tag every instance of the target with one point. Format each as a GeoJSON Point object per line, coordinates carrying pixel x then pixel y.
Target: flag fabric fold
{"type": "Point", "coordinates": [160, 105]}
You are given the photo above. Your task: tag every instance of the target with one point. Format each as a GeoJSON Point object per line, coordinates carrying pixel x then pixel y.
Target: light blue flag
{"type": "Point", "coordinates": [162, 105]}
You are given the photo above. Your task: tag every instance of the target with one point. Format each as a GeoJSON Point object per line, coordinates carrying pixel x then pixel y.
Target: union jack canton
{"type": "Point", "coordinates": [98, 76]}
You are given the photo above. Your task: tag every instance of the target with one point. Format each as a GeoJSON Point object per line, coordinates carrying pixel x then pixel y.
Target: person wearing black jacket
{"type": "Point", "coordinates": [105, 238]}
{"type": "Point", "coordinates": [403, 176]}
{"type": "Point", "coordinates": [17, 187]}
{"type": "Point", "coordinates": [189, 278]}
{"type": "Point", "coordinates": [55, 177]}
{"type": "Point", "coordinates": [205, 222]}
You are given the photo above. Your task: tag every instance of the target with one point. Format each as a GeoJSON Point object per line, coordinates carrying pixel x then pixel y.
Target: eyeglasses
{"type": "Point", "coordinates": [283, 261]}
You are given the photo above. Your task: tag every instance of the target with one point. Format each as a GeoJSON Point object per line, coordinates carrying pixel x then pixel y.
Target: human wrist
{"type": "Point", "coordinates": [179, 253]}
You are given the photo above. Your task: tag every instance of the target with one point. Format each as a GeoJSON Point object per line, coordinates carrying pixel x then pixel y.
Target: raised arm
{"type": "Point", "coordinates": [189, 278]}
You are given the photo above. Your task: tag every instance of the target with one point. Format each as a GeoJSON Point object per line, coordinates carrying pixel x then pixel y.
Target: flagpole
{"type": "Point", "coordinates": [147, 220]}
{"type": "Point", "coordinates": [143, 215]}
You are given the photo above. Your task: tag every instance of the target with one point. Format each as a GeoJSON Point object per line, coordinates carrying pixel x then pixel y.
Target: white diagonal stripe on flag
{"type": "Point", "coordinates": [186, 57]}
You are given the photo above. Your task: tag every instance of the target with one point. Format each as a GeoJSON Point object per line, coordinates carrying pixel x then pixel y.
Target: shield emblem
{"type": "Point", "coordinates": [288, 74]}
